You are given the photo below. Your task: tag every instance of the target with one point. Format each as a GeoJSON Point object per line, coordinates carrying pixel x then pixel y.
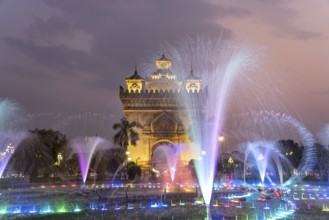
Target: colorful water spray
{"type": "Point", "coordinates": [218, 66]}
{"type": "Point", "coordinates": [252, 129]}
{"type": "Point", "coordinates": [9, 137]}
{"type": "Point", "coordinates": [166, 154]}
{"type": "Point", "coordinates": [263, 152]}
{"type": "Point", "coordinates": [9, 113]}
{"type": "Point", "coordinates": [8, 142]}
{"type": "Point", "coordinates": [85, 147]}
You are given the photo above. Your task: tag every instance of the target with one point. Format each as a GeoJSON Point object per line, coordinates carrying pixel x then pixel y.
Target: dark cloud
{"type": "Point", "coordinates": [122, 30]}
{"type": "Point", "coordinates": [61, 58]}
{"type": "Point", "coordinates": [121, 33]}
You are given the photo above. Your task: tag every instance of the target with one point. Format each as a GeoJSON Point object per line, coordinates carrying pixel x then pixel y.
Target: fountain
{"type": "Point", "coordinates": [324, 135]}
{"type": "Point", "coordinates": [262, 152]}
{"type": "Point", "coordinates": [9, 137]}
{"type": "Point", "coordinates": [8, 142]}
{"type": "Point", "coordinates": [166, 154]}
{"type": "Point", "coordinates": [86, 125]}
{"type": "Point", "coordinates": [85, 147]}
{"type": "Point", "coordinates": [9, 114]}
{"type": "Point", "coordinates": [259, 133]}
{"type": "Point", "coordinates": [218, 66]}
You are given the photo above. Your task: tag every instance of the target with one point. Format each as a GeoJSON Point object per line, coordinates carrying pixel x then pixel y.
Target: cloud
{"type": "Point", "coordinates": [281, 17]}
{"type": "Point", "coordinates": [60, 58]}
{"type": "Point", "coordinates": [299, 34]}
{"type": "Point", "coordinates": [121, 33]}
{"type": "Point", "coordinates": [50, 27]}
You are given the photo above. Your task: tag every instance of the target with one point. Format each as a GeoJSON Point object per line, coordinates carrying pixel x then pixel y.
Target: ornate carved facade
{"type": "Point", "coordinates": [157, 103]}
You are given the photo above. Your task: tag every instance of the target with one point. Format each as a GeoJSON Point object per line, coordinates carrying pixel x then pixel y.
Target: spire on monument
{"type": "Point", "coordinates": [135, 82]}
{"type": "Point", "coordinates": [163, 57]}
{"type": "Point", "coordinates": [191, 76]}
{"type": "Point", "coordinates": [135, 75]}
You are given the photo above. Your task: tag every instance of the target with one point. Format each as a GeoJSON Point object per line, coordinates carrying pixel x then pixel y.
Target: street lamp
{"type": "Point", "coordinates": [230, 160]}
{"type": "Point", "coordinates": [59, 159]}
{"type": "Point", "coordinates": [221, 138]}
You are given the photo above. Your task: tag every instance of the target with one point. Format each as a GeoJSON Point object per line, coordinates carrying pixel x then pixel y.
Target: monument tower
{"type": "Point", "coordinates": [155, 102]}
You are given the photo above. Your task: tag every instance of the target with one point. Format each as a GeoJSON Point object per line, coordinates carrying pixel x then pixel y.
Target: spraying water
{"type": "Point", "coordinates": [87, 124]}
{"type": "Point", "coordinates": [324, 135]}
{"type": "Point", "coordinates": [9, 138]}
{"type": "Point", "coordinates": [8, 113]}
{"type": "Point", "coordinates": [8, 142]}
{"type": "Point", "coordinates": [263, 152]}
{"type": "Point", "coordinates": [254, 128]}
{"type": "Point", "coordinates": [219, 66]}
{"type": "Point", "coordinates": [85, 147]}
{"type": "Point", "coordinates": [168, 155]}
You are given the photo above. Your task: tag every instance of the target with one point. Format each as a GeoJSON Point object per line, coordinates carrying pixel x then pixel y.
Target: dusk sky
{"type": "Point", "coordinates": [71, 56]}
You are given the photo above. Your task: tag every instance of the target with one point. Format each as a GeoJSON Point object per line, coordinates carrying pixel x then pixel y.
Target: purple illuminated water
{"type": "Point", "coordinates": [258, 132]}
{"type": "Point", "coordinates": [9, 137]}
{"type": "Point", "coordinates": [8, 142]}
{"type": "Point", "coordinates": [85, 147]}
{"type": "Point", "coordinates": [219, 66]}
{"type": "Point", "coordinates": [165, 154]}
{"type": "Point", "coordinates": [263, 152]}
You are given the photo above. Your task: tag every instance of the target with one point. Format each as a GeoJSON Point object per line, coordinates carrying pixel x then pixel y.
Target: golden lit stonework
{"type": "Point", "coordinates": [156, 103]}
{"type": "Point", "coordinates": [192, 83]}
{"type": "Point", "coordinates": [135, 83]}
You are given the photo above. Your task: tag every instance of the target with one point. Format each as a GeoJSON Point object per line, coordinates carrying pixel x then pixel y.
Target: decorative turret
{"type": "Point", "coordinates": [163, 69]}
{"type": "Point", "coordinates": [163, 79]}
{"type": "Point", "coordinates": [192, 83]}
{"type": "Point", "coordinates": [163, 63]}
{"type": "Point", "coordinates": [135, 82]}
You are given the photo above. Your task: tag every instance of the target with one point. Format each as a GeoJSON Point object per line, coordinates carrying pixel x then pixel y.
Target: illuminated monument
{"type": "Point", "coordinates": [155, 102]}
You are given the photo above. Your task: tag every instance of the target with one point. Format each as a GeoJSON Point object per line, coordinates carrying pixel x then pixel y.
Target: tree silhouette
{"type": "Point", "coordinates": [126, 133]}
{"type": "Point", "coordinates": [38, 152]}
{"type": "Point", "coordinates": [292, 151]}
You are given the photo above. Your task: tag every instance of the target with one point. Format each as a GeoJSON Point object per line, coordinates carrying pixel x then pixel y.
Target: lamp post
{"type": "Point", "coordinates": [59, 158]}
{"type": "Point", "coordinates": [221, 139]}
{"type": "Point", "coordinates": [230, 161]}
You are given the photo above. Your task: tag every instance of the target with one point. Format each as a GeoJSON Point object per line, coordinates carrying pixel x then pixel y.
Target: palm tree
{"type": "Point", "coordinates": [126, 133]}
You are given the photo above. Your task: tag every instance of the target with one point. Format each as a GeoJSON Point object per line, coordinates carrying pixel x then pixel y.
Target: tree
{"type": "Point", "coordinates": [133, 170]}
{"type": "Point", "coordinates": [38, 151]}
{"type": "Point", "coordinates": [54, 140]}
{"type": "Point", "coordinates": [126, 133]}
{"type": "Point", "coordinates": [292, 151]}
{"type": "Point", "coordinates": [115, 157]}
{"type": "Point", "coordinates": [71, 165]}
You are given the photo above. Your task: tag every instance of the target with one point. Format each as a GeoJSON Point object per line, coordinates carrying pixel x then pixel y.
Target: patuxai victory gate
{"type": "Point", "coordinates": [156, 102]}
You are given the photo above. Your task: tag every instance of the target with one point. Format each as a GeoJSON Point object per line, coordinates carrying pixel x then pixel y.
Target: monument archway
{"type": "Point", "coordinates": [164, 155]}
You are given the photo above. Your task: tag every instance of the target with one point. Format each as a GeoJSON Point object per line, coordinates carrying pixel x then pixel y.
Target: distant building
{"type": "Point", "coordinates": [156, 102]}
